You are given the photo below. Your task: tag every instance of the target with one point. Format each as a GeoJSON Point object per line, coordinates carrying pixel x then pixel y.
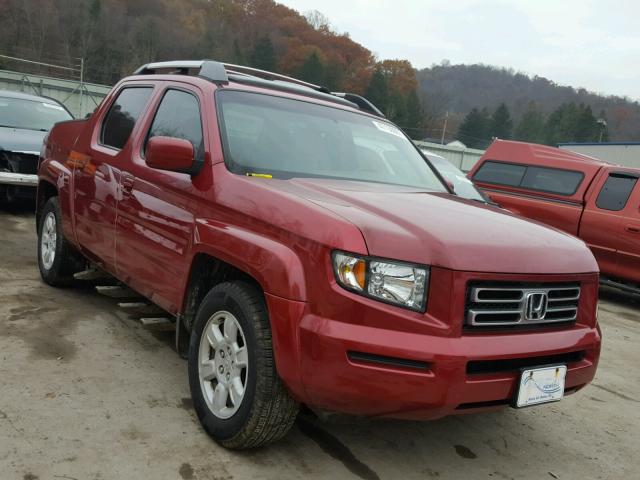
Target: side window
{"type": "Point", "coordinates": [563, 182]}
{"type": "Point", "coordinates": [500, 173]}
{"type": "Point", "coordinates": [178, 116]}
{"type": "Point", "coordinates": [122, 116]}
{"type": "Point", "coordinates": [552, 180]}
{"type": "Point", "coordinates": [615, 192]}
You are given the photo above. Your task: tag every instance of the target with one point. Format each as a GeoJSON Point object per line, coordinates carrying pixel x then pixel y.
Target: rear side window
{"type": "Point", "coordinates": [178, 116]}
{"type": "Point", "coordinates": [563, 182]}
{"type": "Point", "coordinates": [501, 173]}
{"type": "Point", "coordinates": [551, 180]}
{"type": "Point", "coordinates": [122, 116]}
{"type": "Point", "coordinates": [615, 192]}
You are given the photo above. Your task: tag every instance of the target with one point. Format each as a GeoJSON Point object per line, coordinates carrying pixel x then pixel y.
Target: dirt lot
{"type": "Point", "coordinates": [87, 393]}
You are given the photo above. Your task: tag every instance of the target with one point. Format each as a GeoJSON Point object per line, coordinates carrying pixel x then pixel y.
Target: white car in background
{"type": "Point", "coordinates": [462, 186]}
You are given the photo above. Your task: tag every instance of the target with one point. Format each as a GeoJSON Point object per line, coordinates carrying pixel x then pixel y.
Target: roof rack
{"type": "Point", "coordinates": [256, 72]}
{"type": "Point", "coordinates": [361, 102]}
{"type": "Point", "coordinates": [220, 73]}
{"type": "Point", "coordinates": [209, 69]}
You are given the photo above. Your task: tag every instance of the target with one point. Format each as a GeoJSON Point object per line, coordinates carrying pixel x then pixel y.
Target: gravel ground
{"type": "Point", "coordinates": [87, 393]}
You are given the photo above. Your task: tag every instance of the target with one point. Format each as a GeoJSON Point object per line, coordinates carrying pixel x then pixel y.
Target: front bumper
{"type": "Point", "coordinates": [18, 179]}
{"type": "Point", "coordinates": [18, 175]}
{"type": "Point", "coordinates": [334, 380]}
{"type": "Point", "coordinates": [350, 354]}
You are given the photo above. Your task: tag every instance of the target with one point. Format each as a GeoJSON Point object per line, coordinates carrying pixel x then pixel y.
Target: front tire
{"type": "Point", "coordinates": [237, 393]}
{"type": "Point", "coordinates": [56, 261]}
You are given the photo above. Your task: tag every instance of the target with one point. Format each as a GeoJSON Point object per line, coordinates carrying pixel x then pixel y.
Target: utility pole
{"type": "Point", "coordinates": [444, 127]}
{"type": "Point", "coordinates": [603, 126]}
{"type": "Point", "coordinates": [81, 83]}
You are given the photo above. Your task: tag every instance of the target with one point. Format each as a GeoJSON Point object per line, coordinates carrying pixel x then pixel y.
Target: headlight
{"type": "Point", "coordinates": [399, 283]}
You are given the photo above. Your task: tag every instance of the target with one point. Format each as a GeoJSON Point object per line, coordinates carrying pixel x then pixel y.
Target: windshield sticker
{"type": "Point", "coordinates": [259, 175]}
{"type": "Point", "coordinates": [385, 127]}
{"type": "Point", "coordinates": [55, 107]}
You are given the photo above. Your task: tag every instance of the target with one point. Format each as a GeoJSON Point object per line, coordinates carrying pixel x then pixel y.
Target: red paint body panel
{"type": "Point", "coordinates": [610, 235]}
{"type": "Point", "coordinates": [147, 225]}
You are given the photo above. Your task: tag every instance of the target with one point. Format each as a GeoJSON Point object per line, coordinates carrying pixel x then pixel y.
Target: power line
{"type": "Point", "coordinates": [40, 63]}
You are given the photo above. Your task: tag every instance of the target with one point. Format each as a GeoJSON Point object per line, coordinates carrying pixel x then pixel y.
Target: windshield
{"type": "Point", "coordinates": [288, 138]}
{"type": "Point", "coordinates": [463, 187]}
{"type": "Point", "coordinates": [30, 114]}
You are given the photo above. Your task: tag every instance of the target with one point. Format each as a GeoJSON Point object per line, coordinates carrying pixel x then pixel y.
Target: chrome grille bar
{"type": "Point", "coordinates": [492, 306]}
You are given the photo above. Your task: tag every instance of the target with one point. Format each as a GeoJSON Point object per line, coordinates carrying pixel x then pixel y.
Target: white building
{"type": "Point", "coordinates": [619, 153]}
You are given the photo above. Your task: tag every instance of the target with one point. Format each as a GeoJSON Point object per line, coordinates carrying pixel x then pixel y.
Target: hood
{"type": "Point", "coordinates": [21, 140]}
{"type": "Point", "coordinates": [444, 230]}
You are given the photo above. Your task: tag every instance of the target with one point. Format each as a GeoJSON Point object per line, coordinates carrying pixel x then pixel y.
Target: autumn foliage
{"type": "Point", "coordinates": [116, 36]}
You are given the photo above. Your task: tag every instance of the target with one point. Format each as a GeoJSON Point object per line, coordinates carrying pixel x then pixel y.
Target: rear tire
{"type": "Point", "coordinates": [237, 393]}
{"type": "Point", "coordinates": [56, 261]}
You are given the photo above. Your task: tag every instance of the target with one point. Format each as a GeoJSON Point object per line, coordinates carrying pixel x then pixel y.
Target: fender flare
{"type": "Point", "coordinates": [279, 272]}
{"type": "Point", "coordinates": [274, 265]}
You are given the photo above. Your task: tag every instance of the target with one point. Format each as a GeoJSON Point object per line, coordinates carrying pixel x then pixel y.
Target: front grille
{"type": "Point", "coordinates": [491, 305]}
{"type": "Point", "coordinates": [18, 162]}
{"type": "Point", "coordinates": [483, 367]}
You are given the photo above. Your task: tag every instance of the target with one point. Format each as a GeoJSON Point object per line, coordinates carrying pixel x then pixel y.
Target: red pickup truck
{"type": "Point", "coordinates": [312, 253]}
{"type": "Point", "coordinates": [589, 198]}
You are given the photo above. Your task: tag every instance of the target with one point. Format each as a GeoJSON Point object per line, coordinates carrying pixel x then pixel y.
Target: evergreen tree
{"type": "Point", "coordinates": [238, 56]}
{"type": "Point", "coordinates": [587, 128]}
{"type": "Point", "coordinates": [501, 123]}
{"type": "Point", "coordinates": [562, 124]}
{"type": "Point", "coordinates": [264, 55]}
{"type": "Point", "coordinates": [397, 109]}
{"type": "Point", "coordinates": [95, 9]}
{"type": "Point", "coordinates": [474, 129]}
{"type": "Point", "coordinates": [377, 92]}
{"type": "Point", "coordinates": [415, 116]}
{"type": "Point", "coordinates": [333, 76]}
{"type": "Point", "coordinates": [530, 128]}
{"type": "Point", "coordinates": [312, 70]}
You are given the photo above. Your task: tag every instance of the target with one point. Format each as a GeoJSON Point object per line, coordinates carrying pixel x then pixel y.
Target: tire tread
{"type": "Point", "coordinates": [273, 411]}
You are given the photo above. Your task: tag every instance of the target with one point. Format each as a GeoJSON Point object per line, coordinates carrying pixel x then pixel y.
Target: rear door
{"type": "Point", "coordinates": [156, 214]}
{"type": "Point", "coordinates": [602, 224]}
{"type": "Point", "coordinates": [96, 174]}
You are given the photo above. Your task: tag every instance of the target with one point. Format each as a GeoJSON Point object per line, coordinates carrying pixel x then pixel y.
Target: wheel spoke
{"type": "Point", "coordinates": [214, 336]}
{"type": "Point", "coordinates": [241, 356]}
{"type": "Point", "coordinates": [236, 391]}
{"type": "Point", "coordinates": [207, 370]}
{"type": "Point", "coordinates": [220, 395]}
{"type": "Point", "coordinates": [223, 364]}
{"type": "Point", "coordinates": [230, 330]}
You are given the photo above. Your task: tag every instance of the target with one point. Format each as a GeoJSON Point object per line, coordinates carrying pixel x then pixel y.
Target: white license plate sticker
{"type": "Point", "coordinates": [541, 385]}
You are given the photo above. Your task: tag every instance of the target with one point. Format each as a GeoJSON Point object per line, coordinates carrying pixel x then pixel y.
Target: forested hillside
{"type": "Point", "coordinates": [116, 36]}
{"type": "Point", "coordinates": [539, 109]}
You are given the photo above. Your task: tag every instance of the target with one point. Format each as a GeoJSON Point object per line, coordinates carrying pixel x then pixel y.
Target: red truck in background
{"type": "Point", "coordinates": [586, 197]}
{"type": "Point", "coordinates": [311, 254]}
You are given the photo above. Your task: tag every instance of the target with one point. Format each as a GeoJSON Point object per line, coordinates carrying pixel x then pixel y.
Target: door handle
{"type": "Point", "coordinates": [127, 180]}
{"type": "Point", "coordinates": [632, 229]}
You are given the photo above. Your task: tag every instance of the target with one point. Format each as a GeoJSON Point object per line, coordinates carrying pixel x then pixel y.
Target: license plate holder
{"type": "Point", "coordinates": [540, 385]}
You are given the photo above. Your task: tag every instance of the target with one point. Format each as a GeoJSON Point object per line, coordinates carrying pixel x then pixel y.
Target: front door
{"type": "Point", "coordinates": [96, 175]}
{"type": "Point", "coordinates": [156, 214]}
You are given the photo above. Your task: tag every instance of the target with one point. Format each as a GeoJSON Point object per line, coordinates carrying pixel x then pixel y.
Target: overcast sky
{"type": "Point", "coordinates": [582, 43]}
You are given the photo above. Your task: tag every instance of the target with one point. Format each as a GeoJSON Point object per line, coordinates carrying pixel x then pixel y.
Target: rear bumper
{"type": "Point", "coordinates": [18, 179]}
{"type": "Point", "coordinates": [435, 381]}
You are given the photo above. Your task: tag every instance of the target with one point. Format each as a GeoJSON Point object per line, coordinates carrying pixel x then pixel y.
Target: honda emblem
{"type": "Point", "coordinates": [535, 306]}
